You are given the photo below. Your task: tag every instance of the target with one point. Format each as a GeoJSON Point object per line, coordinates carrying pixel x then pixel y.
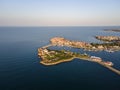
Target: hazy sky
{"type": "Point", "coordinates": [59, 12]}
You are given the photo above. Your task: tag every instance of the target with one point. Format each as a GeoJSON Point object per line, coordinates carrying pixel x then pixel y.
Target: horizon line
{"type": "Point", "coordinates": [67, 26]}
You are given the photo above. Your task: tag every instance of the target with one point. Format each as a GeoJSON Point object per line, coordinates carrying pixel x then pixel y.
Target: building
{"type": "Point", "coordinates": [96, 59]}
{"type": "Point", "coordinates": [108, 63]}
{"type": "Point", "coordinates": [42, 51]}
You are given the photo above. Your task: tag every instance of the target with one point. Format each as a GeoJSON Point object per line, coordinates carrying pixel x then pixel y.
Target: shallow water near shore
{"type": "Point", "coordinates": [20, 68]}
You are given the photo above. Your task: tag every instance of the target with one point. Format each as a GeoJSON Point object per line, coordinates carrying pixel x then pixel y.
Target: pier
{"type": "Point", "coordinates": [110, 68]}
{"type": "Point", "coordinates": [102, 63]}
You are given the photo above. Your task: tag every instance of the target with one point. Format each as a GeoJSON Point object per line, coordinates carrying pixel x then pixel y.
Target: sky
{"type": "Point", "coordinates": [59, 12]}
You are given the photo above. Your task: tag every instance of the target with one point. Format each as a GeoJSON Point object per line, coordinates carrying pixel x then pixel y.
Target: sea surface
{"type": "Point", "coordinates": [20, 68]}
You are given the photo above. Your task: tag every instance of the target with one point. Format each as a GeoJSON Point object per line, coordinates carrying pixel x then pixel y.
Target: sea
{"type": "Point", "coordinates": [20, 67]}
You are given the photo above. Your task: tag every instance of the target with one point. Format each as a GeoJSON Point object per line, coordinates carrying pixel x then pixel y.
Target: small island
{"type": "Point", "coordinates": [53, 57]}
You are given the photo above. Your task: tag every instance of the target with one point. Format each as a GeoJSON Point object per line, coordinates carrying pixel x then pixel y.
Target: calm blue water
{"type": "Point", "coordinates": [20, 68]}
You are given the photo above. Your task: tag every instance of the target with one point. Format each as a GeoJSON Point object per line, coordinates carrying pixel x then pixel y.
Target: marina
{"type": "Point", "coordinates": [53, 57]}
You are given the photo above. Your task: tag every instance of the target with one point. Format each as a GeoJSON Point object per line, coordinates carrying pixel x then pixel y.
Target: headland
{"type": "Point", "coordinates": [113, 30]}
{"type": "Point", "coordinates": [112, 46]}
{"type": "Point", "coordinates": [53, 57]}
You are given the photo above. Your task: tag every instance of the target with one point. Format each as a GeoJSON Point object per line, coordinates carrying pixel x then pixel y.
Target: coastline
{"type": "Point", "coordinates": [53, 57]}
{"type": "Point", "coordinates": [111, 68]}
{"type": "Point", "coordinates": [71, 59]}
{"type": "Point", "coordinates": [113, 46]}
{"type": "Point", "coordinates": [112, 30]}
{"type": "Point", "coordinates": [58, 62]}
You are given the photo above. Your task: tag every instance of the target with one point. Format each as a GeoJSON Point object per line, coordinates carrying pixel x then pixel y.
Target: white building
{"type": "Point", "coordinates": [97, 59]}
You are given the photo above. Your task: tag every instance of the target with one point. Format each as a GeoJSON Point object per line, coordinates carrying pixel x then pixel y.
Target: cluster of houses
{"type": "Point", "coordinates": [98, 59]}
{"type": "Point", "coordinates": [108, 38]}
{"type": "Point", "coordinates": [42, 51]}
{"type": "Point", "coordinates": [64, 42]}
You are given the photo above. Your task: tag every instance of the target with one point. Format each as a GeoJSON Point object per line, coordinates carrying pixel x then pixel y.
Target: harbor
{"type": "Point", "coordinates": [53, 57]}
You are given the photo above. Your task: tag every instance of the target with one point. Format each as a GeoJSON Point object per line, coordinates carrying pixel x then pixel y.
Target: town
{"type": "Point", "coordinates": [60, 41]}
{"type": "Point", "coordinates": [109, 47]}
{"type": "Point", "coordinates": [53, 57]}
{"type": "Point", "coordinates": [108, 38]}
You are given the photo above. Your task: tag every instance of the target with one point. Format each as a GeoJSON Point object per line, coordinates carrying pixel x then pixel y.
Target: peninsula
{"type": "Point", "coordinates": [60, 41]}
{"type": "Point", "coordinates": [53, 57]}
{"type": "Point", "coordinates": [108, 38]}
{"type": "Point", "coordinates": [114, 30]}
{"type": "Point", "coordinates": [113, 46]}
